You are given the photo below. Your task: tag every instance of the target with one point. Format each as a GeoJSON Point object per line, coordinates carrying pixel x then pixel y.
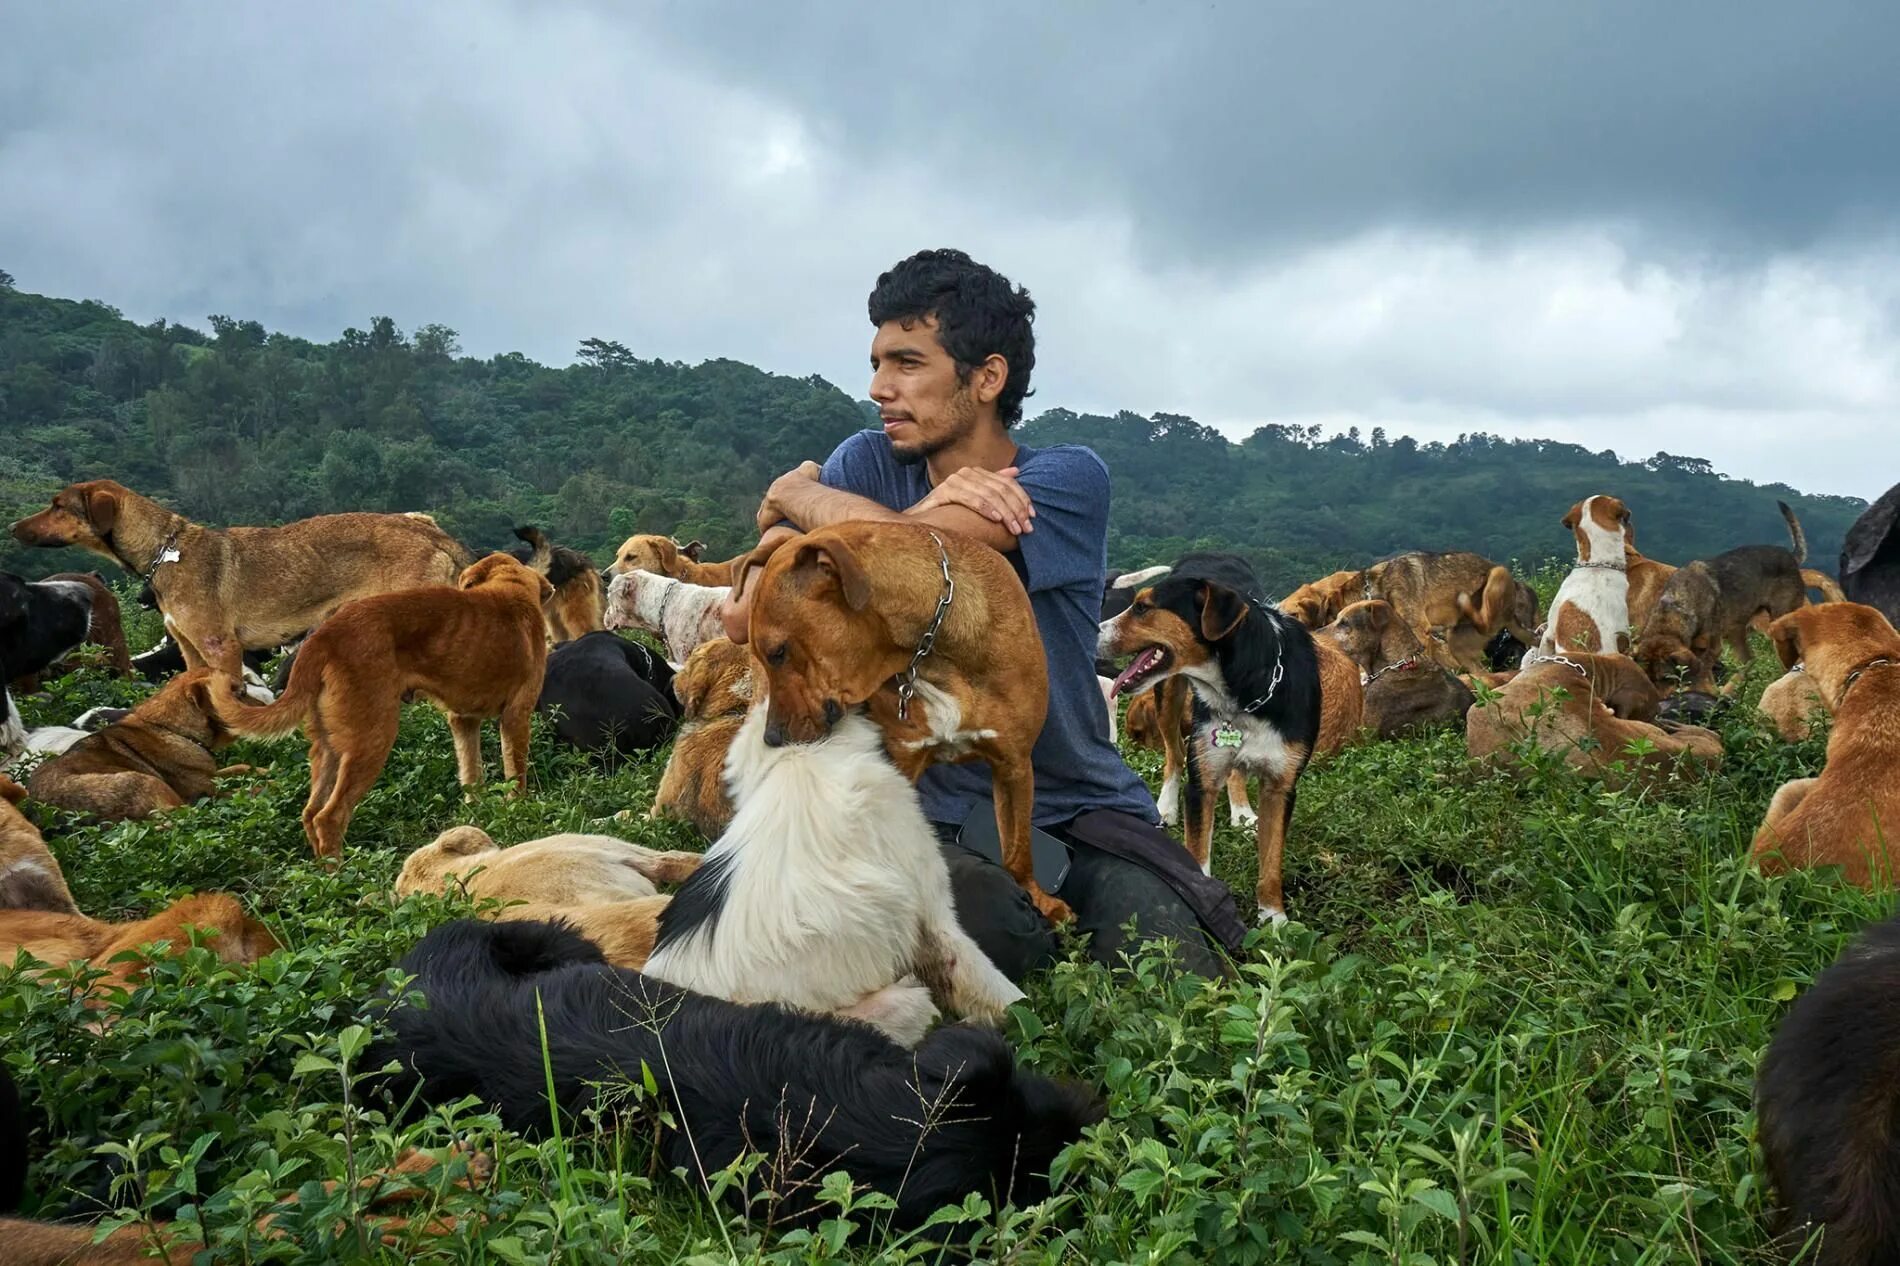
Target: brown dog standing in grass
{"type": "Point", "coordinates": [477, 650]}
{"type": "Point", "coordinates": [227, 591]}
{"type": "Point", "coordinates": [1849, 816]}
{"type": "Point", "coordinates": [840, 618]}
{"type": "Point", "coordinates": [158, 757]}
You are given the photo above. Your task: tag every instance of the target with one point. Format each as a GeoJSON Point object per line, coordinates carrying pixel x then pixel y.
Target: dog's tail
{"type": "Point", "coordinates": [543, 556]}
{"type": "Point", "coordinates": [271, 720]}
{"type": "Point", "coordinates": [1795, 534]}
{"type": "Point", "coordinates": [1827, 1098]}
{"type": "Point", "coordinates": [1825, 583]}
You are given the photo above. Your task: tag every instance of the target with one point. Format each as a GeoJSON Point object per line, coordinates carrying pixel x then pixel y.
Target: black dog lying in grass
{"type": "Point", "coordinates": [1827, 1096]}
{"type": "Point", "coordinates": [609, 695]}
{"type": "Point", "coordinates": [925, 1127]}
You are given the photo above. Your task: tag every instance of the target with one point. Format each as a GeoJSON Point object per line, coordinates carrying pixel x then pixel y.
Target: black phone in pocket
{"type": "Point", "coordinates": [1049, 856]}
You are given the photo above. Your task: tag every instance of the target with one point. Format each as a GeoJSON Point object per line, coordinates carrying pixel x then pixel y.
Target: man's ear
{"type": "Point", "coordinates": [990, 377]}
{"type": "Point", "coordinates": [1222, 610]}
{"type": "Point", "coordinates": [693, 549]}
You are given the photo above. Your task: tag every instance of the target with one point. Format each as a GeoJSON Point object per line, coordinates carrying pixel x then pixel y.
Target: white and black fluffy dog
{"type": "Point", "coordinates": [925, 1127]}
{"type": "Point", "coordinates": [41, 622]}
{"type": "Point", "coordinates": [828, 892]}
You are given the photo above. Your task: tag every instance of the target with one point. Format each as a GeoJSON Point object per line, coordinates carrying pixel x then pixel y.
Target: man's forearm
{"type": "Point", "coordinates": [811, 506]}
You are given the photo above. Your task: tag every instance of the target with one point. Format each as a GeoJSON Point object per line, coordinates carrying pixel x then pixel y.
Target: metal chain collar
{"type": "Point", "coordinates": [1536, 657]}
{"type": "Point", "coordinates": [1882, 662]}
{"type": "Point", "coordinates": [907, 686]}
{"type": "Point", "coordinates": [1404, 665]}
{"type": "Point", "coordinates": [163, 550]}
{"type": "Point", "coordinates": [1620, 564]}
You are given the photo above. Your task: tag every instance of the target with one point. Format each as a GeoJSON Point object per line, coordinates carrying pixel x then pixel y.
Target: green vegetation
{"type": "Point", "coordinates": [1516, 1021]}
{"type": "Point", "coordinates": [244, 426]}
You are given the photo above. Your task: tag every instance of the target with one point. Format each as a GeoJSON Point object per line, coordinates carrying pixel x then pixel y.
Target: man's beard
{"type": "Point", "coordinates": [962, 414]}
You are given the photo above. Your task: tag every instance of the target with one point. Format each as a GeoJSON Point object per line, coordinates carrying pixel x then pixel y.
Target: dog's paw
{"type": "Point", "coordinates": [1054, 909]}
{"type": "Point", "coordinates": [1241, 815]}
{"type": "Point", "coordinates": [1270, 914]}
{"type": "Point", "coordinates": [1169, 802]}
{"type": "Point", "coordinates": [903, 1011]}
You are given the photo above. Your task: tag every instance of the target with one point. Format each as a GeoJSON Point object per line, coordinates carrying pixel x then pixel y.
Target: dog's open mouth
{"type": "Point", "coordinates": [1146, 664]}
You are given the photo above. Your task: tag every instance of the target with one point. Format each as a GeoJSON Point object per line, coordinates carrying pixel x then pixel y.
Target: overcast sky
{"type": "Point", "coordinates": [1631, 226]}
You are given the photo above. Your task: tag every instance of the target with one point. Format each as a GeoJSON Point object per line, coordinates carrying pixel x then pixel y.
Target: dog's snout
{"type": "Point", "coordinates": [775, 735]}
{"type": "Point", "coordinates": [833, 711]}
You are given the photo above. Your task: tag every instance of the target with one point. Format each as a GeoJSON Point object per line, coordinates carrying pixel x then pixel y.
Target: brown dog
{"type": "Point", "coordinates": [477, 650]}
{"type": "Point", "coordinates": [579, 596]}
{"type": "Point", "coordinates": [664, 556]}
{"type": "Point", "coordinates": [1850, 815]}
{"type": "Point", "coordinates": [158, 757]}
{"type": "Point", "coordinates": [30, 877]}
{"type": "Point", "coordinates": [226, 592]}
{"type": "Point", "coordinates": [58, 939]}
{"type": "Point", "coordinates": [1647, 578]}
{"type": "Point", "coordinates": [715, 690]}
{"type": "Point", "coordinates": [106, 630]}
{"type": "Point", "coordinates": [1712, 601]}
{"type": "Point", "coordinates": [1583, 708]}
{"type": "Point", "coordinates": [1405, 688]}
{"type": "Point", "coordinates": [844, 615]}
{"type": "Point", "coordinates": [1319, 602]}
{"type": "Point", "coordinates": [1793, 704]}
{"type": "Point", "coordinates": [1434, 593]}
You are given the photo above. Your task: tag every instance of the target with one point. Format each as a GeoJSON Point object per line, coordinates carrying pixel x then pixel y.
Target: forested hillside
{"type": "Point", "coordinates": [241, 425]}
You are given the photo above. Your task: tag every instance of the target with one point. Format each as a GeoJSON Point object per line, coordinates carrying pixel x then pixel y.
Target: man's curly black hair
{"type": "Point", "coordinates": [979, 314]}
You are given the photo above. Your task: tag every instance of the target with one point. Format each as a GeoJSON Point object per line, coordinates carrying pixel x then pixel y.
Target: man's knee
{"type": "Point", "coordinates": [997, 914]}
{"type": "Point", "coordinates": [1107, 892]}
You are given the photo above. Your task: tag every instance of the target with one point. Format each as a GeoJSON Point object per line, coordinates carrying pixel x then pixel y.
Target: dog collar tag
{"type": "Point", "coordinates": [169, 554]}
{"type": "Point", "coordinates": [1227, 736]}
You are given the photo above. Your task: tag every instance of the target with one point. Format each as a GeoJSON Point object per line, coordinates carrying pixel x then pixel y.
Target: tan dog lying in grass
{"type": "Point", "coordinates": [57, 939]}
{"type": "Point", "coordinates": [30, 877]}
{"type": "Point", "coordinates": [159, 757]}
{"type": "Point", "coordinates": [714, 690]}
{"type": "Point", "coordinates": [601, 886]}
{"type": "Point", "coordinates": [1849, 816]}
{"type": "Point", "coordinates": [1793, 704]}
{"type": "Point", "coordinates": [1584, 709]}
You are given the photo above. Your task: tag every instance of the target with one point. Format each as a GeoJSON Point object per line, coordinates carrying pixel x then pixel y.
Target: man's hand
{"type": "Point", "coordinates": [772, 507]}
{"type": "Point", "coordinates": [736, 611]}
{"type": "Point", "coordinates": [994, 494]}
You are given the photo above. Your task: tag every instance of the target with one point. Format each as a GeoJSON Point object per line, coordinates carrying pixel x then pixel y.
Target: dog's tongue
{"type": "Point", "coordinates": [1142, 663]}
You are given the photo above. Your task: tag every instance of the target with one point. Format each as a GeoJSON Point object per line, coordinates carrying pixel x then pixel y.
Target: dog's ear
{"type": "Point", "coordinates": [836, 559]}
{"type": "Point", "coordinates": [546, 587]}
{"type": "Point", "coordinates": [1786, 635]}
{"type": "Point", "coordinates": [1379, 616]}
{"type": "Point", "coordinates": [693, 549]}
{"type": "Point", "coordinates": [669, 553]}
{"type": "Point", "coordinates": [463, 841]}
{"type": "Point", "coordinates": [102, 510]}
{"type": "Point", "coordinates": [761, 554]}
{"type": "Point", "coordinates": [10, 791]}
{"type": "Point", "coordinates": [1222, 610]}
{"type": "Point", "coordinates": [1571, 519]}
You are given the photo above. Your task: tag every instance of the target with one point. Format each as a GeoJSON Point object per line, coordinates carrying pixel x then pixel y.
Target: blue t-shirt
{"type": "Point", "coordinates": [1063, 564]}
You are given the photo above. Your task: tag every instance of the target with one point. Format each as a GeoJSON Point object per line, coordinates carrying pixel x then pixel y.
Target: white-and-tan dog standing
{"type": "Point", "coordinates": [828, 892]}
{"type": "Point", "coordinates": [681, 614]}
{"type": "Point", "coordinates": [1591, 611]}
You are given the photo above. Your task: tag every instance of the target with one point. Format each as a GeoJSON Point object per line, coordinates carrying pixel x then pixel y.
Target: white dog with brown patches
{"type": "Point", "coordinates": [681, 614]}
{"type": "Point", "coordinates": [828, 892]}
{"type": "Point", "coordinates": [1591, 611]}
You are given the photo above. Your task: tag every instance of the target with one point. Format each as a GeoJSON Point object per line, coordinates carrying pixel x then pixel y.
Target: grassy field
{"type": "Point", "coordinates": [1516, 1019]}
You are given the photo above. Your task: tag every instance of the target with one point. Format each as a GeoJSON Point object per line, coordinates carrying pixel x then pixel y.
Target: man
{"type": "Point", "coordinates": [950, 366]}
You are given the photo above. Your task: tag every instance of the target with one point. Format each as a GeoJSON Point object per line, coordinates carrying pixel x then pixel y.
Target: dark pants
{"type": "Point", "coordinates": [1105, 892]}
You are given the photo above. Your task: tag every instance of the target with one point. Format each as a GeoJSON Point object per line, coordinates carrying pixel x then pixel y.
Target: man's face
{"type": "Point", "coordinates": [924, 407]}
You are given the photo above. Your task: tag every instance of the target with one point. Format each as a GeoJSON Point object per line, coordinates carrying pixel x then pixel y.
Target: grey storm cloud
{"type": "Point", "coordinates": [1635, 227]}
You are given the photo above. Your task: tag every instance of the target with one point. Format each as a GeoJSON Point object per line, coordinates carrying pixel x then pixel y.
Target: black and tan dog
{"type": "Point", "coordinates": [579, 595]}
{"type": "Point", "coordinates": [106, 628]}
{"type": "Point", "coordinates": [40, 623]}
{"type": "Point", "coordinates": [1256, 697]}
{"type": "Point", "coordinates": [1405, 688]}
{"type": "Point", "coordinates": [227, 591]}
{"type": "Point", "coordinates": [158, 757]}
{"type": "Point", "coordinates": [1712, 601]}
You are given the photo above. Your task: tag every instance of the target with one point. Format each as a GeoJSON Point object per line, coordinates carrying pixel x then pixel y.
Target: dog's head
{"type": "Point", "coordinates": [189, 704]}
{"type": "Point", "coordinates": [1319, 602]}
{"type": "Point", "coordinates": [1834, 640]}
{"type": "Point", "coordinates": [1600, 524]}
{"type": "Point", "coordinates": [1364, 629]}
{"type": "Point", "coordinates": [1172, 627]}
{"type": "Point", "coordinates": [815, 641]}
{"type": "Point", "coordinates": [82, 515]}
{"type": "Point", "coordinates": [426, 868]}
{"type": "Point", "coordinates": [11, 792]}
{"type": "Point", "coordinates": [1676, 644]}
{"type": "Point", "coordinates": [1142, 725]}
{"type": "Point", "coordinates": [499, 571]}
{"type": "Point", "coordinates": [716, 680]}
{"type": "Point", "coordinates": [623, 600]}
{"type": "Point", "coordinates": [660, 555]}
